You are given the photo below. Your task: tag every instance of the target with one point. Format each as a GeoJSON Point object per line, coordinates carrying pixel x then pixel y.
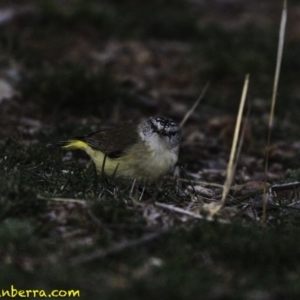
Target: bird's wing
{"type": "Point", "coordinates": [113, 141]}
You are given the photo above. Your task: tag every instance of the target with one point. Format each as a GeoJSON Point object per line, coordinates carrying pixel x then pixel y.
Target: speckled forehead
{"type": "Point", "coordinates": [164, 123]}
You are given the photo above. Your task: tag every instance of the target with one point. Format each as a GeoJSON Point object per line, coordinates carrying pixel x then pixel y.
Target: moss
{"type": "Point", "coordinates": [53, 208]}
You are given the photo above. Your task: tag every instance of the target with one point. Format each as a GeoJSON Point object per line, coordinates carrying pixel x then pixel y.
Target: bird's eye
{"type": "Point", "coordinates": [154, 128]}
{"type": "Point", "coordinates": [172, 133]}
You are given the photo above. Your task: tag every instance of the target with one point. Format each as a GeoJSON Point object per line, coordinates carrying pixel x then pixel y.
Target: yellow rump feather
{"type": "Point", "coordinates": [76, 144]}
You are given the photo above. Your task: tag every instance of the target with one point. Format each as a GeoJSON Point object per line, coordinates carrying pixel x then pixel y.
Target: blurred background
{"type": "Point", "coordinates": [113, 60]}
{"type": "Point", "coordinates": [67, 67]}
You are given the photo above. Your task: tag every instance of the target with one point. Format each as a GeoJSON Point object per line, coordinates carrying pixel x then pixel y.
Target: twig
{"type": "Point", "coordinates": [188, 213]}
{"type": "Point", "coordinates": [274, 94]}
{"type": "Point", "coordinates": [204, 183]}
{"type": "Point", "coordinates": [187, 115]}
{"type": "Point", "coordinates": [285, 186]}
{"type": "Point", "coordinates": [230, 169]}
{"type": "Point", "coordinates": [132, 188]}
{"type": "Point", "coordinates": [119, 247]}
{"type": "Point", "coordinates": [80, 201]}
{"type": "Point", "coordinates": [240, 145]}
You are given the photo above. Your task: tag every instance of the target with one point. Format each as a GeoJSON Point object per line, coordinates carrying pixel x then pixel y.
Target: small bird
{"type": "Point", "coordinates": [144, 151]}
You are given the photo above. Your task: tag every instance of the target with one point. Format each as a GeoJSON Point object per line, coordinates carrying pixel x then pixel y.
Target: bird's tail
{"type": "Point", "coordinates": [70, 145]}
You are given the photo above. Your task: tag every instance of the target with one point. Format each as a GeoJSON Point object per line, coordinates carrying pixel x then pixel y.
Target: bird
{"type": "Point", "coordinates": [143, 151]}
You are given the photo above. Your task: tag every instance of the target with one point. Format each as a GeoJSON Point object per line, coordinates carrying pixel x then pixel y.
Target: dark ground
{"type": "Point", "coordinates": [67, 67]}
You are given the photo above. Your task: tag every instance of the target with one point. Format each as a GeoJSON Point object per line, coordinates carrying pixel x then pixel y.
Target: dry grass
{"type": "Point", "coordinates": [273, 101]}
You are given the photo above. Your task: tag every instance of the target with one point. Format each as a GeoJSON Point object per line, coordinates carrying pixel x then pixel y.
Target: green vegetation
{"type": "Point", "coordinates": [71, 89]}
{"type": "Point", "coordinates": [54, 210]}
